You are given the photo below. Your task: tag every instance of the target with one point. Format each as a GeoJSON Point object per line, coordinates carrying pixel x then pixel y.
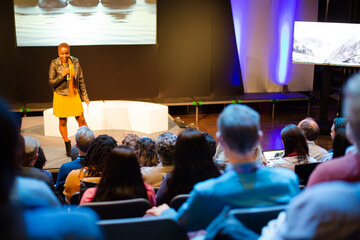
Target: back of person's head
{"type": "Point", "coordinates": [31, 149]}
{"type": "Point", "coordinates": [193, 163]}
{"type": "Point", "coordinates": [8, 145]}
{"type": "Point", "coordinates": [294, 141]}
{"type": "Point", "coordinates": [145, 152]}
{"type": "Point", "coordinates": [41, 159]}
{"type": "Point", "coordinates": [165, 148]}
{"type": "Point", "coordinates": [239, 128]}
{"type": "Point", "coordinates": [329, 210]}
{"type": "Point", "coordinates": [211, 141]}
{"type": "Point", "coordinates": [99, 148]}
{"type": "Point", "coordinates": [339, 123]}
{"type": "Point", "coordinates": [340, 143]}
{"type": "Point", "coordinates": [121, 178]}
{"type": "Point", "coordinates": [130, 140]}
{"type": "Point", "coordinates": [83, 137]}
{"type": "Point", "coordinates": [310, 128]}
{"type": "Point", "coordinates": [351, 106]}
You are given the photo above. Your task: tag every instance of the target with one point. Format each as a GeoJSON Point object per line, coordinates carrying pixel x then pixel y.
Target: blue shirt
{"type": "Point", "coordinates": [31, 193]}
{"type": "Point", "coordinates": [241, 187]}
{"type": "Point", "coordinates": [65, 169]}
{"type": "Point", "coordinates": [60, 223]}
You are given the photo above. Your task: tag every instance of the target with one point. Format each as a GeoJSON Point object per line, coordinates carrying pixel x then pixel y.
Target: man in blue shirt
{"type": "Point", "coordinates": [244, 185]}
{"type": "Point", "coordinates": [83, 137]}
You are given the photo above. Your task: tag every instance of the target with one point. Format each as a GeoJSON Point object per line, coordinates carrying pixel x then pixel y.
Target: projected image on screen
{"type": "Point", "coordinates": [85, 22]}
{"type": "Point", "coordinates": [327, 43]}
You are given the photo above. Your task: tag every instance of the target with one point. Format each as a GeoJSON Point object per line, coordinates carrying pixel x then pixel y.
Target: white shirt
{"type": "Point", "coordinates": [316, 151]}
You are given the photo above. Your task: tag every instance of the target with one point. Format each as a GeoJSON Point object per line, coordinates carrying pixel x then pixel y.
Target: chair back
{"type": "Point", "coordinates": [120, 209]}
{"type": "Point", "coordinates": [303, 172]}
{"type": "Point", "coordinates": [75, 198]}
{"type": "Point", "coordinates": [149, 228]}
{"type": "Point", "coordinates": [258, 217]}
{"type": "Point", "coordinates": [178, 200]}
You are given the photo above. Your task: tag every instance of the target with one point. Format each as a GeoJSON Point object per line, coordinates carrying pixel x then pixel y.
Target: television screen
{"type": "Point", "coordinates": [326, 43]}
{"type": "Point", "coordinates": [85, 22]}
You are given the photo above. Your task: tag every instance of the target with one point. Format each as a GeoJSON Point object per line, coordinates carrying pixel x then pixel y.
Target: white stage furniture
{"type": "Point", "coordinates": [114, 115]}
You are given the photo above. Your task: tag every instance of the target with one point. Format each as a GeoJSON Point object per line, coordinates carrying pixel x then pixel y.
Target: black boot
{"type": "Point", "coordinates": [68, 148]}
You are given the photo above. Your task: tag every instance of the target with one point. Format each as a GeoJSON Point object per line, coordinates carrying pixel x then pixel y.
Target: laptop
{"type": "Point", "coordinates": [273, 155]}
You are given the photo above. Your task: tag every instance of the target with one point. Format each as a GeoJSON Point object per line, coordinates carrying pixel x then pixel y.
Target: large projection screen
{"type": "Point", "coordinates": [326, 43]}
{"type": "Point", "coordinates": [85, 22]}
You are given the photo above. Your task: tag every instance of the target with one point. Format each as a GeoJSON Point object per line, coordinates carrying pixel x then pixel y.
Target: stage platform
{"type": "Point", "coordinates": [271, 98]}
{"type": "Point", "coordinates": [54, 147]}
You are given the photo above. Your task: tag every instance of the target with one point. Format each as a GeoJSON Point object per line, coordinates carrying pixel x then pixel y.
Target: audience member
{"type": "Point", "coordinates": [44, 223]}
{"type": "Point", "coordinates": [346, 168]}
{"type": "Point", "coordinates": [30, 192]}
{"type": "Point", "coordinates": [245, 185]}
{"type": "Point", "coordinates": [92, 167]}
{"type": "Point", "coordinates": [212, 143]}
{"type": "Point", "coordinates": [40, 163]}
{"type": "Point", "coordinates": [28, 169]}
{"type": "Point", "coordinates": [311, 131]}
{"type": "Point", "coordinates": [327, 211]}
{"type": "Point", "coordinates": [340, 144]}
{"type": "Point", "coordinates": [83, 138]}
{"type": "Point", "coordinates": [130, 140]}
{"type": "Point", "coordinates": [165, 148]}
{"type": "Point", "coordinates": [193, 163]}
{"type": "Point", "coordinates": [120, 180]}
{"type": "Point", "coordinates": [338, 123]}
{"type": "Point", "coordinates": [296, 149]}
{"type": "Point", "coordinates": [145, 152]}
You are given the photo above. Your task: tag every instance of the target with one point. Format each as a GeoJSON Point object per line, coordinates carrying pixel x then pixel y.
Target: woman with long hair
{"type": "Point", "coordinates": [120, 180]}
{"type": "Point", "coordinates": [93, 165]}
{"type": "Point", "coordinates": [296, 149]}
{"type": "Point", "coordinates": [193, 163]}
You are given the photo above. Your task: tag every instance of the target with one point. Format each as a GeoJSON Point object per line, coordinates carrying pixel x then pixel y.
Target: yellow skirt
{"type": "Point", "coordinates": [66, 106]}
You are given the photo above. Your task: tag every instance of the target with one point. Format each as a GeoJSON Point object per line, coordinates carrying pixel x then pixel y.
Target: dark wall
{"type": "Point", "coordinates": [7, 57]}
{"type": "Point", "coordinates": [195, 56]}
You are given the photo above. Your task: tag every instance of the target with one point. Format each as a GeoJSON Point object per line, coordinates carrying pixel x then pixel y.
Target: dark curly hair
{"type": "Point", "coordinates": [121, 178]}
{"type": "Point", "coordinates": [41, 159]}
{"type": "Point", "coordinates": [165, 148]}
{"type": "Point", "coordinates": [145, 152]}
{"type": "Point", "coordinates": [130, 140]}
{"type": "Point", "coordinates": [211, 141]}
{"type": "Point", "coordinates": [98, 150]}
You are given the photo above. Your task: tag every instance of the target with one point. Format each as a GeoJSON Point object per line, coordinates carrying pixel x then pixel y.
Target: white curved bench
{"type": "Point", "coordinates": [114, 115]}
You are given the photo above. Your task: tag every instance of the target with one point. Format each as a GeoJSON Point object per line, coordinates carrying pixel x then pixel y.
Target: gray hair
{"type": "Point", "coordinates": [239, 126]}
{"type": "Point", "coordinates": [83, 137]}
{"type": "Point", "coordinates": [351, 106]}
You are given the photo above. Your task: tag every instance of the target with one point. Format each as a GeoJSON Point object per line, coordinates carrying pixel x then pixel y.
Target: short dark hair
{"type": "Point", "coordinates": [41, 159]}
{"type": "Point", "coordinates": [239, 126]}
{"type": "Point", "coordinates": [165, 148]}
{"type": "Point", "coordinates": [83, 137]}
{"type": "Point", "coordinates": [63, 45]}
{"type": "Point", "coordinates": [130, 140]}
{"type": "Point", "coordinates": [145, 152]}
{"type": "Point", "coordinates": [311, 132]}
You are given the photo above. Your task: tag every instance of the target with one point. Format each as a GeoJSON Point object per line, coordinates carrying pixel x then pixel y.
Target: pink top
{"type": "Point", "coordinates": [90, 193]}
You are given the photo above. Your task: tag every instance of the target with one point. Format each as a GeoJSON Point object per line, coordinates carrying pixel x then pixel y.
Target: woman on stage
{"type": "Point", "coordinates": [67, 81]}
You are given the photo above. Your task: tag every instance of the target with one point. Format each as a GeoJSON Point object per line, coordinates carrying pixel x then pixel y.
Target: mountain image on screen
{"type": "Point", "coordinates": [326, 43]}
